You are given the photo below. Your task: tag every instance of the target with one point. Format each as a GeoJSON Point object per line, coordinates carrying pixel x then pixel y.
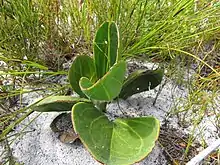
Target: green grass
{"type": "Point", "coordinates": [43, 30]}
{"type": "Point", "coordinates": [37, 37]}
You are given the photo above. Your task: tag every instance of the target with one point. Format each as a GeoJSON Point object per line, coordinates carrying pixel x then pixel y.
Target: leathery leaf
{"type": "Point", "coordinates": [140, 81]}
{"type": "Point", "coordinates": [106, 88]}
{"type": "Point", "coordinates": [106, 48]}
{"type": "Point", "coordinates": [57, 103]}
{"type": "Point", "coordinates": [82, 66]}
{"type": "Point", "coordinates": [121, 142]}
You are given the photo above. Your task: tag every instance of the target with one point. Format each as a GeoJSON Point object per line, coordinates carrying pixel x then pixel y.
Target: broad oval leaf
{"type": "Point", "coordinates": [106, 48]}
{"type": "Point", "coordinates": [57, 103]}
{"type": "Point", "coordinates": [108, 87]}
{"type": "Point", "coordinates": [121, 142]}
{"type": "Point", "coordinates": [140, 81]}
{"type": "Point", "coordinates": [82, 66]}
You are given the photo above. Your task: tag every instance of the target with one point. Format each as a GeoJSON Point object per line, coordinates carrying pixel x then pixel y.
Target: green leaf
{"type": "Point", "coordinates": [57, 103]}
{"type": "Point", "coordinates": [108, 87]}
{"type": "Point", "coordinates": [82, 66]}
{"type": "Point", "coordinates": [140, 81]}
{"type": "Point", "coordinates": [105, 48]}
{"type": "Point", "coordinates": [121, 142]}
{"type": "Point", "coordinates": [29, 63]}
{"type": "Point", "coordinates": [34, 64]}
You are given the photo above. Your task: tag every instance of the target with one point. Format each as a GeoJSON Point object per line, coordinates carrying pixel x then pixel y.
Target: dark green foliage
{"type": "Point", "coordinates": [140, 81]}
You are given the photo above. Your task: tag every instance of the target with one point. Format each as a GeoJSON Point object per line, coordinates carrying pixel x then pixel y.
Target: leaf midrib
{"type": "Point", "coordinates": [114, 124]}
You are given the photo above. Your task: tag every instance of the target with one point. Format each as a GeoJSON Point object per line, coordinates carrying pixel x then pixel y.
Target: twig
{"type": "Point", "coordinates": [159, 91]}
{"type": "Point", "coordinates": [198, 158]}
{"type": "Point", "coordinates": [168, 154]}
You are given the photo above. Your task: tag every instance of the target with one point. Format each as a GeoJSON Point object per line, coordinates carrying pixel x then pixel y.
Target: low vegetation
{"type": "Point", "coordinates": [38, 38]}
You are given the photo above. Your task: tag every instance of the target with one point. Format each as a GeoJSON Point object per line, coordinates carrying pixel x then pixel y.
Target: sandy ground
{"type": "Point", "coordinates": [40, 146]}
